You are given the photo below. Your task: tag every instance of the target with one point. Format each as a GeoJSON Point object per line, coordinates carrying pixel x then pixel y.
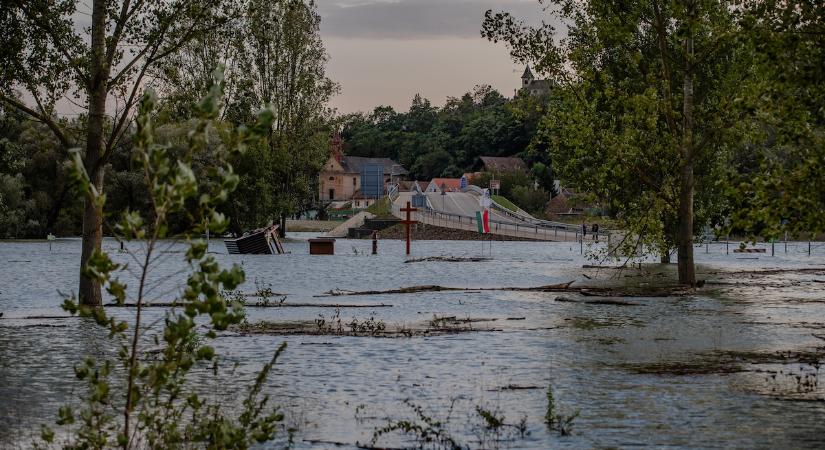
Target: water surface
{"type": "Point", "coordinates": [642, 375]}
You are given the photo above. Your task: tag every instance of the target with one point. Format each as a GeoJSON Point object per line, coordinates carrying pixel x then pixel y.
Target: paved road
{"type": "Point", "coordinates": [462, 203]}
{"type": "Point", "coordinates": [455, 204]}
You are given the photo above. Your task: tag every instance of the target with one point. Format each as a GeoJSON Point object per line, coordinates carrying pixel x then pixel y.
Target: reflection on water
{"type": "Point", "coordinates": [680, 372]}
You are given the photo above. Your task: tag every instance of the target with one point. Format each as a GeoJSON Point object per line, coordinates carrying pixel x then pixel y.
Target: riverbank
{"type": "Point", "coordinates": [303, 226]}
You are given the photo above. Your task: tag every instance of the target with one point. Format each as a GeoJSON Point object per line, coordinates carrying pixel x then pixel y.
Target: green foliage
{"type": "Point", "coordinates": [281, 64]}
{"type": "Point", "coordinates": [555, 421]}
{"type": "Point", "coordinates": [504, 202]}
{"type": "Point", "coordinates": [490, 427]}
{"type": "Point", "coordinates": [532, 200]}
{"type": "Point", "coordinates": [162, 408]}
{"type": "Point", "coordinates": [446, 142]}
{"type": "Point", "coordinates": [177, 43]}
{"type": "Point", "coordinates": [34, 183]}
{"type": "Point", "coordinates": [543, 174]}
{"type": "Point", "coordinates": [428, 432]}
{"type": "Point", "coordinates": [509, 181]}
{"type": "Point", "coordinates": [382, 209]}
{"type": "Point", "coordinates": [777, 174]}
{"type": "Point", "coordinates": [643, 115]}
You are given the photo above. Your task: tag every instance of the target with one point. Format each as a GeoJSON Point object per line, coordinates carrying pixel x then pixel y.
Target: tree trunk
{"type": "Point", "coordinates": [282, 227]}
{"type": "Point", "coordinates": [89, 290]}
{"type": "Point", "coordinates": [687, 271]}
{"type": "Point", "coordinates": [664, 258]}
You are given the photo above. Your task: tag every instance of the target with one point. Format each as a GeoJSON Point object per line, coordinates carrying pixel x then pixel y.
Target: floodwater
{"type": "Point", "coordinates": [706, 371]}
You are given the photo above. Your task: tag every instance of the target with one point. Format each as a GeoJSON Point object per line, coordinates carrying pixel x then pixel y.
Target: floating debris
{"type": "Point", "coordinates": [677, 291]}
{"type": "Point", "coordinates": [263, 241]}
{"type": "Point", "coordinates": [448, 259]}
{"type": "Point", "coordinates": [255, 305]}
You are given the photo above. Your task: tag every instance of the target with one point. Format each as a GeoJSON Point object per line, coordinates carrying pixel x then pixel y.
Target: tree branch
{"type": "Point", "coordinates": [667, 75]}
{"type": "Point", "coordinates": [48, 121]}
{"type": "Point", "coordinates": [57, 44]}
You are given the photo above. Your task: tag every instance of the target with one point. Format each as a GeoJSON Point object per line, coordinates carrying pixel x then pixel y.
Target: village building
{"type": "Point", "coordinates": [357, 179]}
{"type": "Point", "coordinates": [449, 185]}
{"type": "Point", "coordinates": [566, 204]}
{"type": "Point", "coordinates": [412, 186]}
{"type": "Point", "coordinates": [533, 86]}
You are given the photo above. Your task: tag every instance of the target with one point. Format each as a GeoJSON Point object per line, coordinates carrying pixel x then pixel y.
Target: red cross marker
{"type": "Point", "coordinates": [407, 222]}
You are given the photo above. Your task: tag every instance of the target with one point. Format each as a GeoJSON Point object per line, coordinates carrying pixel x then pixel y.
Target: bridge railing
{"type": "Point", "coordinates": [526, 219]}
{"type": "Point", "coordinates": [470, 223]}
{"type": "Point", "coordinates": [392, 193]}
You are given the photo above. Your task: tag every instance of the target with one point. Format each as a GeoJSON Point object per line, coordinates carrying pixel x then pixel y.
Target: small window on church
{"type": "Point", "coordinates": [331, 178]}
{"type": "Point", "coordinates": [353, 181]}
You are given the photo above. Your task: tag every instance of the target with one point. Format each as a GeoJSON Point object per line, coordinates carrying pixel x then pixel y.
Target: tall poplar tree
{"type": "Point", "coordinates": [282, 63]}
{"type": "Point", "coordinates": [648, 89]}
{"type": "Point", "coordinates": [49, 52]}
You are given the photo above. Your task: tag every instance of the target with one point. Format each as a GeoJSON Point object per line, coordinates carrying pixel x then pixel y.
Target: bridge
{"type": "Point", "coordinates": [457, 210]}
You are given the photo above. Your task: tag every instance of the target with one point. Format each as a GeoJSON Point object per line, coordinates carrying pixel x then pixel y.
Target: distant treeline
{"type": "Point", "coordinates": [446, 142]}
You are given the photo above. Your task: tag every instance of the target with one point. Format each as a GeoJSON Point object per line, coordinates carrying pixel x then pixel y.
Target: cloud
{"type": "Point", "coordinates": [416, 19]}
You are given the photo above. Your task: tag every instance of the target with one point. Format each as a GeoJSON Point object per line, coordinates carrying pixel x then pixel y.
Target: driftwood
{"type": "Point", "coordinates": [359, 445]}
{"type": "Point", "coordinates": [406, 290]}
{"type": "Point", "coordinates": [448, 259]}
{"type": "Point", "coordinates": [769, 271]}
{"type": "Point", "coordinates": [254, 305]}
{"type": "Point", "coordinates": [514, 387]}
{"type": "Point", "coordinates": [345, 330]}
{"type": "Point", "coordinates": [596, 302]}
{"type": "Point", "coordinates": [562, 287]}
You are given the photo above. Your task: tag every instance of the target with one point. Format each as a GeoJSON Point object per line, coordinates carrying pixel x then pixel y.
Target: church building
{"type": "Point", "coordinates": [535, 87]}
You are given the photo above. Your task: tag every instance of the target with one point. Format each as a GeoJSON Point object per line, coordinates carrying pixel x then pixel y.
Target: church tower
{"type": "Point", "coordinates": [527, 78]}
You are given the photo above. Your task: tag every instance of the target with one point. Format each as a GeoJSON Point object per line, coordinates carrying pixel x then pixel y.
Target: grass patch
{"type": "Point", "coordinates": [505, 203]}
{"type": "Point", "coordinates": [381, 209]}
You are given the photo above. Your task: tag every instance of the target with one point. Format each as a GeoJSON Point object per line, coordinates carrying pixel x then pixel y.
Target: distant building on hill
{"type": "Point", "coordinates": [531, 85]}
{"type": "Point", "coordinates": [355, 178]}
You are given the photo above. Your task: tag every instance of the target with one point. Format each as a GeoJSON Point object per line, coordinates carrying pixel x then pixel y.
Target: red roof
{"type": "Point", "coordinates": [452, 184]}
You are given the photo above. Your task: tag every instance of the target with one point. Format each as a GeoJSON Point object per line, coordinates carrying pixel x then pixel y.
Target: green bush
{"type": "Point", "coordinates": [152, 402]}
{"type": "Point", "coordinates": [534, 201]}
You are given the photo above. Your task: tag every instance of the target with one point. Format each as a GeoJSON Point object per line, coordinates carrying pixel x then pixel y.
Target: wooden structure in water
{"type": "Point", "coordinates": [322, 246]}
{"type": "Point", "coordinates": [263, 241]}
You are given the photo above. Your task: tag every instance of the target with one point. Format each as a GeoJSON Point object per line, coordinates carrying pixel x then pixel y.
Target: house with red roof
{"type": "Point", "coordinates": [449, 185]}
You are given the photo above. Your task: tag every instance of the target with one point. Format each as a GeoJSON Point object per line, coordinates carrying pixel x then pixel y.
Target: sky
{"type": "Point", "coordinates": [383, 52]}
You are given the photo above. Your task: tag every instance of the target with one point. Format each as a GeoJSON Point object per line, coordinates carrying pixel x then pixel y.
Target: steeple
{"type": "Point", "coordinates": [527, 77]}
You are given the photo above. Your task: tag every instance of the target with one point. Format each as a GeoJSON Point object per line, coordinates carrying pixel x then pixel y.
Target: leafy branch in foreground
{"type": "Point", "coordinates": [151, 401]}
